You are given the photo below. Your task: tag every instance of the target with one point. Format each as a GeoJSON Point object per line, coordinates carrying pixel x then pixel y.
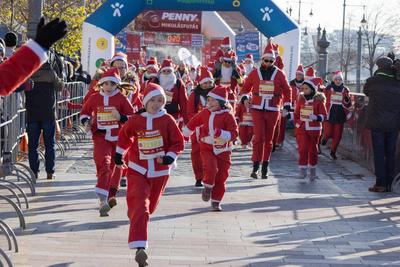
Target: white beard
{"type": "Point", "coordinates": [149, 75]}
{"type": "Point", "coordinates": [248, 68]}
{"type": "Point", "coordinates": [193, 76]}
{"type": "Point", "coordinates": [226, 74]}
{"type": "Point", "coordinates": [167, 81]}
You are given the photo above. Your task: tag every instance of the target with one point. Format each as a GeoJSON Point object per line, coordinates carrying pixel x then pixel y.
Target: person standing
{"type": "Point", "coordinates": [270, 93]}
{"type": "Point", "coordinates": [383, 119]}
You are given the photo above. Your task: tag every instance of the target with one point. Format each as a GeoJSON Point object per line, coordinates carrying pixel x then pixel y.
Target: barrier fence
{"type": "Point", "coordinates": [15, 175]}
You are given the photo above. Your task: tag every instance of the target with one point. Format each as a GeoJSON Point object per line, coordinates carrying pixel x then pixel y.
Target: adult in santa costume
{"type": "Point", "coordinates": [337, 104]}
{"type": "Point", "coordinates": [154, 142]}
{"type": "Point", "coordinates": [270, 93]}
{"type": "Point", "coordinates": [197, 102]}
{"type": "Point", "coordinates": [245, 121]}
{"type": "Point", "coordinates": [229, 76]}
{"type": "Point", "coordinates": [309, 114]}
{"type": "Point", "coordinates": [151, 73]}
{"type": "Point", "coordinates": [103, 114]}
{"type": "Point", "coordinates": [310, 73]}
{"type": "Point", "coordinates": [225, 47]}
{"type": "Point", "coordinates": [218, 129]}
{"type": "Point", "coordinates": [296, 83]}
{"type": "Point", "coordinates": [120, 61]}
{"type": "Point", "coordinates": [175, 91]}
{"type": "Point", "coordinates": [248, 64]}
{"type": "Point", "coordinates": [28, 59]}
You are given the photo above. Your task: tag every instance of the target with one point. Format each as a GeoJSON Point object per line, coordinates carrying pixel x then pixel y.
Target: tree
{"type": "Point", "coordinates": [13, 14]}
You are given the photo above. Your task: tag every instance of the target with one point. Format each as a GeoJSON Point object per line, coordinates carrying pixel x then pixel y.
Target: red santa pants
{"type": "Point", "coordinates": [118, 174]}
{"type": "Point", "coordinates": [307, 147]}
{"type": "Point", "coordinates": [103, 155]}
{"type": "Point", "coordinates": [142, 196]}
{"type": "Point", "coordinates": [245, 134]}
{"type": "Point", "coordinates": [264, 128]}
{"type": "Point", "coordinates": [216, 172]}
{"type": "Point", "coordinates": [281, 131]}
{"type": "Point", "coordinates": [334, 131]}
{"type": "Point", "coordinates": [196, 158]}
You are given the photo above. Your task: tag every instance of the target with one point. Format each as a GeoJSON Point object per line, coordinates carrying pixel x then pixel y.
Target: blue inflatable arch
{"type": "Point", "coordinates": [100, 28]}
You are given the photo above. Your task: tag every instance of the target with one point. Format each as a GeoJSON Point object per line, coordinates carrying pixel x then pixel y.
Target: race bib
{"type": "Point", "coordinates": [266, 88]}
{"type": "Point", "coordinates": [336, 98]}
{"type": "Point", "coordinates": [219, 142]}
{"type": "Point", "coordinates": [305, 113]}
{"type": "Point", "coordinates": [151, 145]}
{"type": "Point", "coordinates": [169, 96]}
{"type": "Point", "coordinates": [105, 119]}
{"type": "Point", "coordinates": [247, 117]}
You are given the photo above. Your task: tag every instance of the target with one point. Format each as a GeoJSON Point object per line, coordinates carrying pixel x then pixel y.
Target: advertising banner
{"type": "Point", "coordinates": [248, 43]}
{"type": "Point", "coordinates": [133, 46]}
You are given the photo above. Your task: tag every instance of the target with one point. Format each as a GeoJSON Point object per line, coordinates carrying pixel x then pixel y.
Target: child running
{"type": "Point", "coordinates": [243, 116]}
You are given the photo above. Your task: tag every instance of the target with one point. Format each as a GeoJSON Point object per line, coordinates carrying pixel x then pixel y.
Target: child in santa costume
{"type": "Point", "coordinates": [225, 47]}
{"type": "Point", "coordinates": [270, 93]}
{"type": "Point", "coordinates": [104, 113]}
{"type": "Point", "coordinates": [218, 129]}
{"type": "Point", "coordinates": [245, 120]}
{"type": "Point", "coordinates": [154, 142]}
{"type": "Point", "coordinates": [337, 104]}
{"type": "Point", "coordinates": [309, 114]}
{"type": "Point", "coordinates": [197, 102]}
{"type": "Point", "coordinates": [296, 84]}
{"type": "Point", "coordinates": [151, 73]}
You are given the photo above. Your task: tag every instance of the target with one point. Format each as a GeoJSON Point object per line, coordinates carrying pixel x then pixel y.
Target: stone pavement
{"type": "Point", "coordinates": [281, 221]}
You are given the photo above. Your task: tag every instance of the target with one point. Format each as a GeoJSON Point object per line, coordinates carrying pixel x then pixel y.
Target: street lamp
{"type": "Point", "coordinates": [300, 2]}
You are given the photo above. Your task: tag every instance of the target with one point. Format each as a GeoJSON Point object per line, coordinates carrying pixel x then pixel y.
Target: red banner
{"type": "Point", "coordinates": [169, 21]}
{"type": "Point", "coordinates": [133, 46]}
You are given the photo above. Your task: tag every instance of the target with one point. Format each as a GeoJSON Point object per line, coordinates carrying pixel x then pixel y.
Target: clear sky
{"type": "Point", "coordinates": [329, 13]}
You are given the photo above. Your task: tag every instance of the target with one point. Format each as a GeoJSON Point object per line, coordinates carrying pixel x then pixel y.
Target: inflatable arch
{"type": "Point", "coordinates": [100, 28]}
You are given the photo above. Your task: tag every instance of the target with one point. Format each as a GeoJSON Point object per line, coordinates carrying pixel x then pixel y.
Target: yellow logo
{"type": "Point", "coordinates": [102, 43]}
{"type": "Point", "coordinates": [236, 3]}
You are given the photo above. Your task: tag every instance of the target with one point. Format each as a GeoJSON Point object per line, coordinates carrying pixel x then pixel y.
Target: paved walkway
{"type": "Point", "coordinates": [276, 222]}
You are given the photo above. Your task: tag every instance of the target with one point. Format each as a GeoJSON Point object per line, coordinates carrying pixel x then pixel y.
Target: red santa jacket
{"type": "Point", "coordinates": [217, 130]}
{"type": "Point", "coordinates": [243, 115]}
{"type": "Point", "coordinates": [296, 89]}
{"type": "Point", "coordinates": [148, 136]}
{"type": "Point", "coordinates": [98, 108]}
{"type": "Point", "coordinates": [20, 66]}
{"type": "Point", "coordinates": [268, 95]}
{"type": "Point", "coordinates": [305, 108]}
{"type": "Point", "coordinates": [337, 101]}
{"type": "Point", "coordinates": [134, 99]}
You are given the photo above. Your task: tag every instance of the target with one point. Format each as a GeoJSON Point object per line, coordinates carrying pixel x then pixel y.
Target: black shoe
{"type": "Point", "coordinates": [198, 183]}
{"type": "Point", "coordinates": [141, 257]}
{"type": "Point", "coordinates": [274, 148]}
{"type": "Point", "coordinates": [256, 166]}
{"type": "Point", "coordinates": [333, 155]}
{"type": "Point", "coordinates": [324, 142]}
{"type": "Point", "coordinates": [51, 176]}
{"type": "Point", "coordinates": [122, 183]}
{"type": "Point", "coordinates": [264, 170]}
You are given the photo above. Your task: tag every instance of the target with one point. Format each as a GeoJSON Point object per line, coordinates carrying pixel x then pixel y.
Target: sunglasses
{"type": "Point", "coordinates": [230, 62]}
{"type": "Point", "coordinates": [268, 60]}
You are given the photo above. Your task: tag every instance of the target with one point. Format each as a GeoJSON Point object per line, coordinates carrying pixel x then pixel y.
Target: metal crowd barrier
{"type": "Point", "coordinates": [15, 174]}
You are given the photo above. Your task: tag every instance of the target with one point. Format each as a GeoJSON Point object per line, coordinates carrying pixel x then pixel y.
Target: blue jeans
{"type": "Point", "coordinates": [384, 146]}
{"type": "Point", "coordinates": [49, 135]}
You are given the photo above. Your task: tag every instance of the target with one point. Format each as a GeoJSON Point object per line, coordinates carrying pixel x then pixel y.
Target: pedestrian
{"type": "Point", "coordinates": [270, 93]}
{"type": "Point", "coordinates": [337, 105]}
{"type": "Point", "coordinates": [154, 142]}
{"type": "Point", "coordinates": [11, 41]}
{"type": "Point", "coordinates": [104, 113]}
{"type": "Point", "coordinates": [197, 102]}
{"type": "Point", "coordinates": [309, 114]}
{"type": "Point", "coordinates": [245, 121]}
{"type": "Point", "coordinates": [218, 129]}
{"type": "Point", "coordinates": [383, 119]}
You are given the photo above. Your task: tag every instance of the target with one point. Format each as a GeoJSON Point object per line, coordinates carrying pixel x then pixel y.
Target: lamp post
{"type": "Point", "coordinates": [35, 13]}
{"type": "Point", "coordinates": [323, 44]}
{"type": "Point", "coordinates": [299, 2]}
{"type": "Point", "coordinates": [359, 51]}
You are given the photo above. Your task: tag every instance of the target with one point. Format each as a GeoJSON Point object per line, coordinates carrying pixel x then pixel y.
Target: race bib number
{"type": "Point", "coordinates": [336, 98]}
{"type": "Point", "coordinates": [105, 119]}
{"type": "Point", "coordinates": [169, 96]}
{"type": "Point", "coordinates": [305, 113]}
{"type": "Point", "coordinates": [267, 88]}
{"type": "Point", "coordinates": [151, 145]}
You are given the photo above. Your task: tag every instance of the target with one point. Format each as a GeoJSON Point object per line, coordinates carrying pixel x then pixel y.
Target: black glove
{"type": "Point", "coordinates": [347, 99]}
{"type": "Point", "coordinates": [287, 107]}
{"type": "Point", "coordinates": [167, 160]}
{"type": "Point", "coordinates": [123, 118]}
{"type": "Point", "coordinates": [118, 159]}
{"type": "Point", "coordinates": [50, 33]}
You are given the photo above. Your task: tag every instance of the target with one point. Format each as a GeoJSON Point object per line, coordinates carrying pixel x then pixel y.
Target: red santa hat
{"type": "Point", "coordinates": [269, 51]}
{"type": "Point", "coordinates": [152, 63]}
{"type": "Point", "coordinates": [310, 73]}
{"type": "Point", "coordinates": [120, 56]}
{"type": "Point", "coordinates": [205, 75]}
{"type": "Point", "coordinates": [300, 70]}
{"type": "Point", "coordinates": [229, 56]}
{"type": "Point", "coordinates": [111, 75]}
{"type": "Point", "coordinates": [314, 83]}
{"type": "Point", "coordinates": [276, 49]}
{"type": "Point", "coordinates": [210, 66]}
{"type": "Point", "coordinates": [219, 93]}
{"type": "Point", "coordinates": [167, 65]}
{"type": "Point", "coordinates": [152, 90]}
{"type": "Point", "coordinates": [249, 57]}
{"type": "Point", "coordinates": [337, 75]}
{"type": "Point", "coordinates": [226, 42]}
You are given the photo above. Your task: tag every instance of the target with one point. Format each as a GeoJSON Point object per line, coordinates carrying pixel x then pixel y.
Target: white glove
{"type": "Point", "coordinates": [313, 117]}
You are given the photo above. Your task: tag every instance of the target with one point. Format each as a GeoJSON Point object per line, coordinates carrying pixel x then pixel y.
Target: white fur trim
{"type": "Point", "coordinates": [207, 79]}
{"type": "Point", "coordinates": [152, 66]}
{"type": "Point", "coordinates": [138, 244]}
{"type": "Point", "coordinates": [187, 132]}
{"type": "Point", "coordinates": [153, 93]}
{"type": "Point", "coordinates": [228, 59]}
{"type": "Point", "coordinates": [217, 97]}
{"type": "Point", "coordinates": [84, 117]}
{"type": "Point", "coordinates": [225, 46]}
{"type": "Point", "coordinates": [119, 58]}
{"type": "Point", "coordinates": [208, 185]}
{"type": "Point", "coordinates": [172, 155]}
{"type": "Point", "coordinates": [110, 79]}
{"type": "Point", "coordinates": [120, 150]}
{"type": "Point", "coordinates": [268, 55]}
{"type": "Point", "coordinates": [137, 168]}
{"type": "Point", "coordinates": [167, 68]}
{"type": "Point", "coordinates": [38, 50]}
{"type": "Point", "coordinates": [101, 191]}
